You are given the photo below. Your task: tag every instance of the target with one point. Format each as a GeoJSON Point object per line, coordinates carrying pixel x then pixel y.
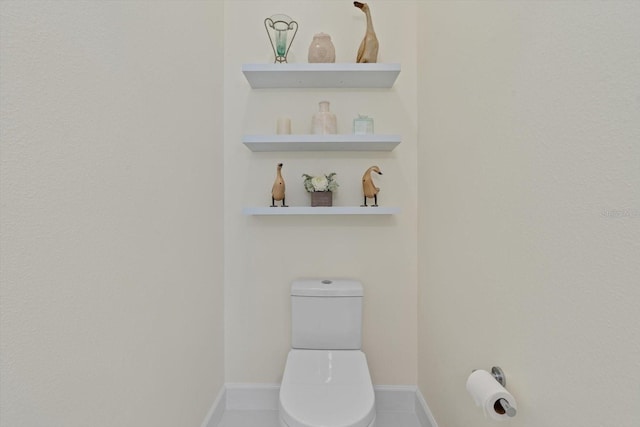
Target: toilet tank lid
{"type": "Point", "coordinates": [326, 288]}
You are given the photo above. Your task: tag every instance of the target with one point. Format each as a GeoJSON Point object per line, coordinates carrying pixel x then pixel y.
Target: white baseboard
{"type": "Point", "coordinates": [425, 417]}
{"type": "Point", "coordinates": [252, 397]}
{"type": "Point", "coordinates": [264, 397]}
{"type": "Point", "coordinates": [217, 409]}
{"type": "Point", "coordinates": [395, 398]}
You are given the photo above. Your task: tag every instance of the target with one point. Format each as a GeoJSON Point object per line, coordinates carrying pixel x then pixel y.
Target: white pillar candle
{"type": "Point", "coordinates": [284, 126]}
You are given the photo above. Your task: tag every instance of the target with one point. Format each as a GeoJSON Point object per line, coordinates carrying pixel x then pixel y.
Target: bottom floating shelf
{"type": "Point", "coordinates": [331, 210]}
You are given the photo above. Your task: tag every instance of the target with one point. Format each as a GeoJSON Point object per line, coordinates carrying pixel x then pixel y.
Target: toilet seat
{"type": "Point", "coordinates": [327, 388]}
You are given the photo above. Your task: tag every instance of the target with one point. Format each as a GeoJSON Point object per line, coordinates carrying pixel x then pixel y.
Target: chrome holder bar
{"type": "Point", "coordinates": [508, 409]}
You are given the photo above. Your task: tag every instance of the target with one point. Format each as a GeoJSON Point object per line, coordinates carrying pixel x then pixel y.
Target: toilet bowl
{"type": "Point", "coordinates": [326, 381]}
{"type": "Point", "coordinates": [327, 388]}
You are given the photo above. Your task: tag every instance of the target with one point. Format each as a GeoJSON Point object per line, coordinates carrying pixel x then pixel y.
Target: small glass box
{"type": "Point", "coordinates": [363, 125]}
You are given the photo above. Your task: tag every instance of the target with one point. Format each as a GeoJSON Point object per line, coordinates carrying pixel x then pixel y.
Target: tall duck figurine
{"type": "Point", "coordinates": [368, 50]}
{"type": "Point", "coordinates": [368, 188]}
{"type": "Point", "coordinates": [277, 191]}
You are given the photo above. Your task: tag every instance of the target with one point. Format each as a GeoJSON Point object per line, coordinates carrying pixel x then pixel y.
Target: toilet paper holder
{"type": "Point", "coordinates": [505, 408]}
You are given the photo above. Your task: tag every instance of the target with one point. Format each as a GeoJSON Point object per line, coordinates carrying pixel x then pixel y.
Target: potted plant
{"type": "Point", "coordinates": [321, 188]}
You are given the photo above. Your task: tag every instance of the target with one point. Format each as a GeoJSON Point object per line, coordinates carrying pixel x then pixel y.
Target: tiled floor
{"type": "Point", "coordinates": [270, 419]}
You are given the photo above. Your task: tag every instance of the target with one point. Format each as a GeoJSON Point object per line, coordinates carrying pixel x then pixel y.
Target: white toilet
{"type": "Point", "coordinates": [326, 381]}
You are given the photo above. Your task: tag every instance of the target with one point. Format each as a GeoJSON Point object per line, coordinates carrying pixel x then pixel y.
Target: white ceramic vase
{"type": "Point", "coordinates": [322, 49]}
{"type": "Point", "coordinates": [324, 122]}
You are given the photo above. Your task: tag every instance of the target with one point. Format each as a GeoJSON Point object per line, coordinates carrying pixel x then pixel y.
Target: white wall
{"type": "Point", "coordinates": [529, 205]}
{"type": "Point", "coordinates": [525, 179]}
{"type": "Point", "coordinates": [264, 254]}
{"type": "Point", "coordinates": [111, 217]}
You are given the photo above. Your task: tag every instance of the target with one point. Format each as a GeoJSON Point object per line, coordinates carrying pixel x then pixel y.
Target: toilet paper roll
{"type": "Point", "coordinates": [486, 392]}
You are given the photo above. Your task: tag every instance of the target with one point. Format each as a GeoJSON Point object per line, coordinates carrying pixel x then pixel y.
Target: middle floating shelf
{"type": "Point", "coordinates": [347, 142]}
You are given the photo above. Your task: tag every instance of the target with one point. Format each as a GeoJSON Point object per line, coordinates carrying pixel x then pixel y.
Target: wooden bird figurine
{"type": "Point", "coordinates": [277, 191]}
{"type": "Point", "coordinates": [368, 50]}
{"type": "Point", "coordinates": [368, 188]}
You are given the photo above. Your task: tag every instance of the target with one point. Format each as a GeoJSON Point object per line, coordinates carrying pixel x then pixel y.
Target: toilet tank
{"type": "Point", "coordinates": [326, 314]}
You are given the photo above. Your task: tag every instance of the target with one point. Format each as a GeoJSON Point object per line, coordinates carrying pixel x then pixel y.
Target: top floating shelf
{"type": "Point", "coordinates": [341, 75]}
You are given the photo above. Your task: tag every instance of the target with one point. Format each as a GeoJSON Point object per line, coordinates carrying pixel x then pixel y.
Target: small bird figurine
{"type": "Point", "coordinates": [368, 50]}
{"type": "Point", "coordinates": [368, 188]}
{"type": "Point", "coordinates": [277, 191]}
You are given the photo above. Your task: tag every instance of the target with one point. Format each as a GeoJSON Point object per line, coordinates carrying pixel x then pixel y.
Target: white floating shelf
{"type": "Point", "coordinates": [332, 210]}
{"type": "Point", "coordinates": [341, 75]}
{"type": "Point", "coordinates": [321, 142]}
